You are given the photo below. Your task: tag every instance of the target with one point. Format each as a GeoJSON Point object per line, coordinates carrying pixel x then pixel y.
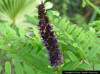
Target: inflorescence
{"type": "Point", "coordinates": [48, 37]}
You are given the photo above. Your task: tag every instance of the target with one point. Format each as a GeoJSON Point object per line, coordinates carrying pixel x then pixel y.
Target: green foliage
{"type": "Point", "coordinates": [13, 11]}
{"type": "Point", "coordinates": [22, 50]}
{"type": "Point", "coordinates": [92, 5]}
{"type": "Point", "coordinates": [7, 68]}
{"type": "Point", "coordinates": [79, 45]}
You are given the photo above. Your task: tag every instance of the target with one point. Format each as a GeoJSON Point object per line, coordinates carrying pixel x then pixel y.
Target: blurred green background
{"type": "Point", "coordinates": [77, 27]}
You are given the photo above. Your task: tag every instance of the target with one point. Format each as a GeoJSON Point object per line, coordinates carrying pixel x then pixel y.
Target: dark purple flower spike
{"type": "Point", "coordinates": [48, 37]}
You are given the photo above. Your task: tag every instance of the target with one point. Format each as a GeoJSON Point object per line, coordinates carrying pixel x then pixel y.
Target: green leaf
{"type": "Point", "coordinates": [72, 56]}
{"type": "Point", "coordinates": [28, 69]}
{"type": "Point", "coordinates": [85, 67]}
{"type": "Point", "coordinates": [70, 66]}
{"type": "Point", "coordinates": [97, 67]}
{"type": "Point", "coordinates": [53, 13]}
{"type": "Point", "coordinates": [83, 3]}
{"type": "Point", "coordinates": [18, 66]}
{"type": "Point", "coordinates": [7, 67]}
{"type": "Point", "coordinates": [32, 20]}
{"type": "Point", "coordinates": [11, 10]}
{"type": "Point", "coordinates": [38, 63]}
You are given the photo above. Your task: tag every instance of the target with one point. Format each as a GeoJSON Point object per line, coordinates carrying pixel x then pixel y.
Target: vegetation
{"type": "Point", "coordinates": [77, 28]}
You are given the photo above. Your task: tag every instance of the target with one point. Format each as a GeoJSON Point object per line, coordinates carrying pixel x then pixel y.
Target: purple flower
{"type": "Point", "coordinates": [48, 37]}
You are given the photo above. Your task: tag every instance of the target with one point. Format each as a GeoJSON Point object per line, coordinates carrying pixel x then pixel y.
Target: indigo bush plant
{"type": "Point", "coordinates": [48, 37]}
{"type": "Point", "coordinates": [22, 49]}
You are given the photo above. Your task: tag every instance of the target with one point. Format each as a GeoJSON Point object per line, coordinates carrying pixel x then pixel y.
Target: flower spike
{"type": "Point", "coordinates": [48, 37]}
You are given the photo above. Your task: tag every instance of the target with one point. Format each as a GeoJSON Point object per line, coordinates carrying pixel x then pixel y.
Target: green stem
{"type": "Point", "coordinates": [58, 70]}
{"type": "Point", "coordinates": [93, 6]}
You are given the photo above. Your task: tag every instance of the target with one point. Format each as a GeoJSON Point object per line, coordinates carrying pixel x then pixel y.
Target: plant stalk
{"type": "Point", "coordinates": [58, 70]}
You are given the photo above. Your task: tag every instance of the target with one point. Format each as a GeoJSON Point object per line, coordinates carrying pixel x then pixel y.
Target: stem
{"type": "Point", "coordinates": [58, 71]}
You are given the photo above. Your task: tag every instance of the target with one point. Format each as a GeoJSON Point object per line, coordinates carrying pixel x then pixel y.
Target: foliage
{"type": "Point", "coordinates": [13, 11]}
{"type": "Point", "coordinates": [22, 50]}
{"type": "Point", "coordinates": [88, 9]}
